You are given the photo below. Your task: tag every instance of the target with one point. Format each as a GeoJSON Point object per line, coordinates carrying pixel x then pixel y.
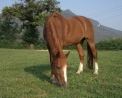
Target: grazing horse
{"type": "Point", "coordinates": [58, 32]}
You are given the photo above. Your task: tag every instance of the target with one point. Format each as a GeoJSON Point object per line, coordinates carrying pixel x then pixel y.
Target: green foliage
{"type": "Point", "coordinates": [31, 35]}
{"type": "Point", "coordinates": [32, 13]}
{"type": "Point", "coordinates": [41, 44]}
{"type": "Point", "coordinates": [19, 45]}
{"type": "Point", "coordinates": [112, 44]}
{"type": "Point", "coordinates": [12, 45]}
{"type": "Point", "coordinates": [26, 74]}
{"type": "Point", "coordinates": [9, 30]}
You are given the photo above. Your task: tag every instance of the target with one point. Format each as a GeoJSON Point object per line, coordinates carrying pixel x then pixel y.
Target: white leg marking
{"type": "Point", "coordinates": [52, 77]}
{"type": "Point", "coordinates": [80, 69]}
{"type": "Point", "coordinates": [54, 81]}
{"type": "Point", "coordinates": [96, 68]}
{"type": "Point", "coordinates": [65, 74]}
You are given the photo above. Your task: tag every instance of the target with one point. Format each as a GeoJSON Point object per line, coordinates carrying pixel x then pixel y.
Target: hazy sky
{"type": "Point", "coordinates": [106, 12]}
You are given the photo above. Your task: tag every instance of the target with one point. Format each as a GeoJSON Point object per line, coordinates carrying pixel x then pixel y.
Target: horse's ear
{"type": "Point", "coordinates": [66, 55]}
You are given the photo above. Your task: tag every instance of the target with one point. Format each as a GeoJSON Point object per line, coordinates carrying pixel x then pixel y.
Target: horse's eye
{"type": "Point", "coordinates": [58, 67]}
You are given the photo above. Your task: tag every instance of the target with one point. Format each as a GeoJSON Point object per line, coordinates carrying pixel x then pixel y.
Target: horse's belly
{"type": "Point", "coordinates": [73, 39]}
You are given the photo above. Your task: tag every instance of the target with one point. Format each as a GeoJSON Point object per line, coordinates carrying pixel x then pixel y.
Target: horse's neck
{"type": "Point", "coordinates": [56, 47]}
{"type": "Point", "coordinates": [55, 14]}
{"type": "Point", "coordinates": [57, 51]}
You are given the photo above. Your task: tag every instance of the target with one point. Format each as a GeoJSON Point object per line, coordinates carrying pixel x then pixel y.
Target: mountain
{"type": "Point", "coordinates": [67, 13]}
{"type": "Point", "coordinates": [101, 32]}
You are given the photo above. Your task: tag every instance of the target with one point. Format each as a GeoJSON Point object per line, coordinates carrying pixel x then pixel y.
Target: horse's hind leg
{"type": "Point", "coordinates": [81, 56]}
{"type": "Point", "coordinates": [94, 52]}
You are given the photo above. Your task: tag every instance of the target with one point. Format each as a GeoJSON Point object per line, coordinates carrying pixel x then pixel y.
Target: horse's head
{"type": "Point", "coordinates": [59, 70]}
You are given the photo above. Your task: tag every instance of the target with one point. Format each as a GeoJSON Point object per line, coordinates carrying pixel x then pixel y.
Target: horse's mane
{"type": "Point", "coordinates": [56, 14]}
{"type": "Point", "coordinates": [56, 42]}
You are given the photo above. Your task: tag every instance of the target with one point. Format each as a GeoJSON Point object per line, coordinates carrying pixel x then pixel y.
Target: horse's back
{"type": "Point", "coordinates": [85, 24]}
{"type": "Point", "coordinates": [68, 30]}
{"type": "Point", "coordinates": [77, 28]}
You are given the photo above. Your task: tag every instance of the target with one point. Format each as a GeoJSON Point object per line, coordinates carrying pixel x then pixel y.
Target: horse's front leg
{"type": "Point", "coordinates": [52, 75]}
{"type": "Point", "coordinates": [53, 78]}
{"type": "Point", "coordinates": [81, 56]}
{"type": "Point", "coordinates": [51, 59]}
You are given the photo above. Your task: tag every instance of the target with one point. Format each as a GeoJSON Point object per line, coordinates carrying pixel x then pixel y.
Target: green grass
{"type": "Point", "coordinates": [26, 74]}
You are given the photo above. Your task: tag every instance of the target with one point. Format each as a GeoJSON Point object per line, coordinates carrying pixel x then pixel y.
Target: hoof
{"type": "Point", "coordinates": [78, 72]}
{"type": "Point", "coordinates": [52, 78]}
{"type": "Point", "coordinates": [54, 82]}
{"type": "Point", "coordinates": [95, 73]}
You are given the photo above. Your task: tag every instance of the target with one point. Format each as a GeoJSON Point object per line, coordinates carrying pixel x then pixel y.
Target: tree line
{"type": "Point", "coordinates": [112, 44]}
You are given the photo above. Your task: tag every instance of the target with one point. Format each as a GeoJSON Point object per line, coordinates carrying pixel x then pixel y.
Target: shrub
{"type": "Point", "coordinates": [112, 44]}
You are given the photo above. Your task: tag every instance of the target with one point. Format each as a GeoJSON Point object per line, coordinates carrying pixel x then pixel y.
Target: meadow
{"type": "Point", "coordinates": [26, 74]}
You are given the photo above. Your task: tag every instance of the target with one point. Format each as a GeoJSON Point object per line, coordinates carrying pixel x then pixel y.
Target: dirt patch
{"type": "Point", "coordinates": [42, 50]}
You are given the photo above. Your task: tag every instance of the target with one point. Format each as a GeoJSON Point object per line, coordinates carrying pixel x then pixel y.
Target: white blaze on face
{"type": "Point", "coordinates": [65, 73]}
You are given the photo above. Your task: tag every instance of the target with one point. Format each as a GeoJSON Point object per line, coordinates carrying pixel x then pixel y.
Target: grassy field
{"type": "Point", "coordinates": [26, 74]}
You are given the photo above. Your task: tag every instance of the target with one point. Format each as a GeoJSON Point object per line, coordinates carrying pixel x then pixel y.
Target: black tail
{"type": "Point", "coordinates": [89, 57]}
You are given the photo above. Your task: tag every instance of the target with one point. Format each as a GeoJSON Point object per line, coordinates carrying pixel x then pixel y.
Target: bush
{"type": "Point", "coordinates": [41, 44]}
{"type": "Point", "coordinates": [11, 45]}
{"type": "Point", "coordinates": [112, 44]}
{"type": "Point", "coordinates": [18, 45]}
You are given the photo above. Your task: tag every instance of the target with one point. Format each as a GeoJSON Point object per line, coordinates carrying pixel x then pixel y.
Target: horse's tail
{"type": "Point", "coordinates": [89, 57]}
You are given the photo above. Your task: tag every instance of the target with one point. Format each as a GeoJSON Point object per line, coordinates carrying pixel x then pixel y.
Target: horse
{"type": "Point", "coordinates": [59, 32]}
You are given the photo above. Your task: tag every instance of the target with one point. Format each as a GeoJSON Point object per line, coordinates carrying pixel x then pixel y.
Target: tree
{"type": "Point", "coordinates": [8, 30]}
{"type": "Point", "coordinates": [32, 13]}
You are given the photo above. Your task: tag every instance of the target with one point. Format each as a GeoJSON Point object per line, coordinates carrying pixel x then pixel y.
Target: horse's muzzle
{"type": "Point", "coordinates": [63, 84]}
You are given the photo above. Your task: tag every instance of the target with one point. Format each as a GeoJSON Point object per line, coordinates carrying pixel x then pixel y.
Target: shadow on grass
{"type": "Point", "coordinates": [39, 71]}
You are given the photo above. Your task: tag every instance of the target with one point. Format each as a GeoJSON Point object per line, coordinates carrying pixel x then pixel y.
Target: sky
{"type": "Point", "coordinates": [106, 12]}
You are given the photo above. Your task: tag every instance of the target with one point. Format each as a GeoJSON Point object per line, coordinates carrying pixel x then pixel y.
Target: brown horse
{"type": "Point", "coordinates": [58, 32]}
